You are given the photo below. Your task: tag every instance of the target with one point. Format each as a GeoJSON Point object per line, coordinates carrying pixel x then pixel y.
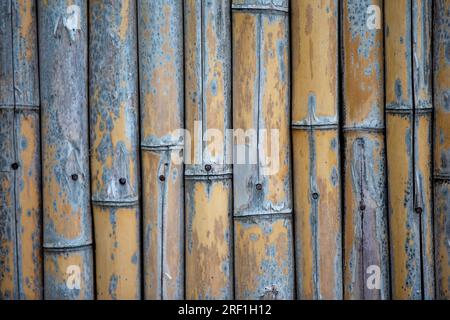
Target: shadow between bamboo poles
{"type": "Point", "coordinates": [316, 149]}
{"type": "Point", "coordinates": [441, 81]}
{"type": "Point", "coordinates": [408, 111]}
{"type": "Point", "coordinates": [264, 253]}
{"type": "Point", "coordinates": [114, 144]}
{"type": "Point", "coordinates": [208, 183]}
{"type": "Point", "coordinates": [366, 258]}
{"type": "Point", "coordinates": [67, 215]}
{"type": "Point", "coordinates": [20, 171]}
{"type": "Point", "coordinates": [160, 25]}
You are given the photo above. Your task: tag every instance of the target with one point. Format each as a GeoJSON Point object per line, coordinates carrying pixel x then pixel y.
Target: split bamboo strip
{"type": "Point", "coordinates": [208, 185]}
{"type": "Point", "coordinates": [441, 59]}
{"type": "Point", "coordinates": [20, 168]}
{"type": "Point", "coordinates": [162, 115]}
{"type": "Point", "coordinates": [366, 257]}
{"type": "Point", "coordinates": [68, 265]}
{"type": "Point", "coordinates": [114, 137]}
{"type": "Point", "coordinates": [264, 253]}
{"type": "Point", "coordinates": [316, 149]}
{"type": "Point", "coordinates": [408, 135]}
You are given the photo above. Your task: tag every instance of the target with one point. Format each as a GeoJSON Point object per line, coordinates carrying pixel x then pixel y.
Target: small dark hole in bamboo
{"type": "Point", "coordinates": [259, 187]}
{"type": "Point", "coordinates": [15, 166]}
{"type": "Point", "coordinates": [162, 178]}
{"type": "Point", "coordinates": [419, 210]}
{"type": "Point", "coordinates": [362, 206]}
{"type": "Point", "coordinates": [208, 167]}
{"type": "Point", "coordinates": [74, 177]}
{"type": "Point", "coordinates": [315, 196]}
{"type": "Point", "coordinates": [122, 181]}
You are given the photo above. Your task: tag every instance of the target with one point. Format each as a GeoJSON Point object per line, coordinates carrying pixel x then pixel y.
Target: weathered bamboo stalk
{"type": "Point", "coordinates": [423, 144]}
{"type": "Point", "coordinates": [366, 258]}
{"type": "Point", "coordinates": [264, 254]}
{"type": "Point", "coordinates": [162, 114]}
{"type": "Point", "coordinates": [114, 148]}
{"type": "Point", "coordinates": [208, 195]}
{"type": "Point", "coordinates": [316, 149]}
{"type": "Point", "coordinates": [20, 176]}
{"type": "Point", "coordinates": [441, 59]}
{"type": "Point", "coordinates": [408, 130]}
{"type": "Point", "coordinates": [209, 269]}
{"type": "Point", "coordinates": [68, 266]}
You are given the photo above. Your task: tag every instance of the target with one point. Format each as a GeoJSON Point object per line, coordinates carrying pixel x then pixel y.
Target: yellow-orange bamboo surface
{"type": "Point", "coordinates": [225, 149]}
{"type": "Point", "coordinates": [316, 149]}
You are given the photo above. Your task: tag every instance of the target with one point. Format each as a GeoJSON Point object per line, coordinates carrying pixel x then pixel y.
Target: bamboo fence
{"type": "Point", "coordinates": [208, 180]}
{"type": "Point", "coordinates": [224, 149]}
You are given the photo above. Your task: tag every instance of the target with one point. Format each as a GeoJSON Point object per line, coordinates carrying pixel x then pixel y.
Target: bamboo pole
{"type": "Point", "coordinates": [67, 215]}
{"type": "Point", "coordinates": [114, 148]}
{"type": "Point", "coordinates": [366, 258]}
{"type": "Point", "coordinates": [20, 176]}
{"type": "Point", "coordinates": [163, 199]}
{"type": "Point", "coordinates": [408, 130]}
{"type": "Point", "coordinates": [423, 144]}
{"type": "Point", "coordinates": [208, 186]}
{"type": "Point", "coordinates": [209, 269]}
{"type": "Point", "coordinates": [262, 189]}
{"type": "Point", "coordinates": [441, 69]}
{"type": "Point", "coordinates": [403, 220]}
{"type": "Point", "coordinates": [162, 114]}
{"type": "Point", "coordinates": [316, 149]}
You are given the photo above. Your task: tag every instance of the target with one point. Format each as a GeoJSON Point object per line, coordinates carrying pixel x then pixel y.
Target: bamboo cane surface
{"type": "Point", "coordinates": [123, 126]}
